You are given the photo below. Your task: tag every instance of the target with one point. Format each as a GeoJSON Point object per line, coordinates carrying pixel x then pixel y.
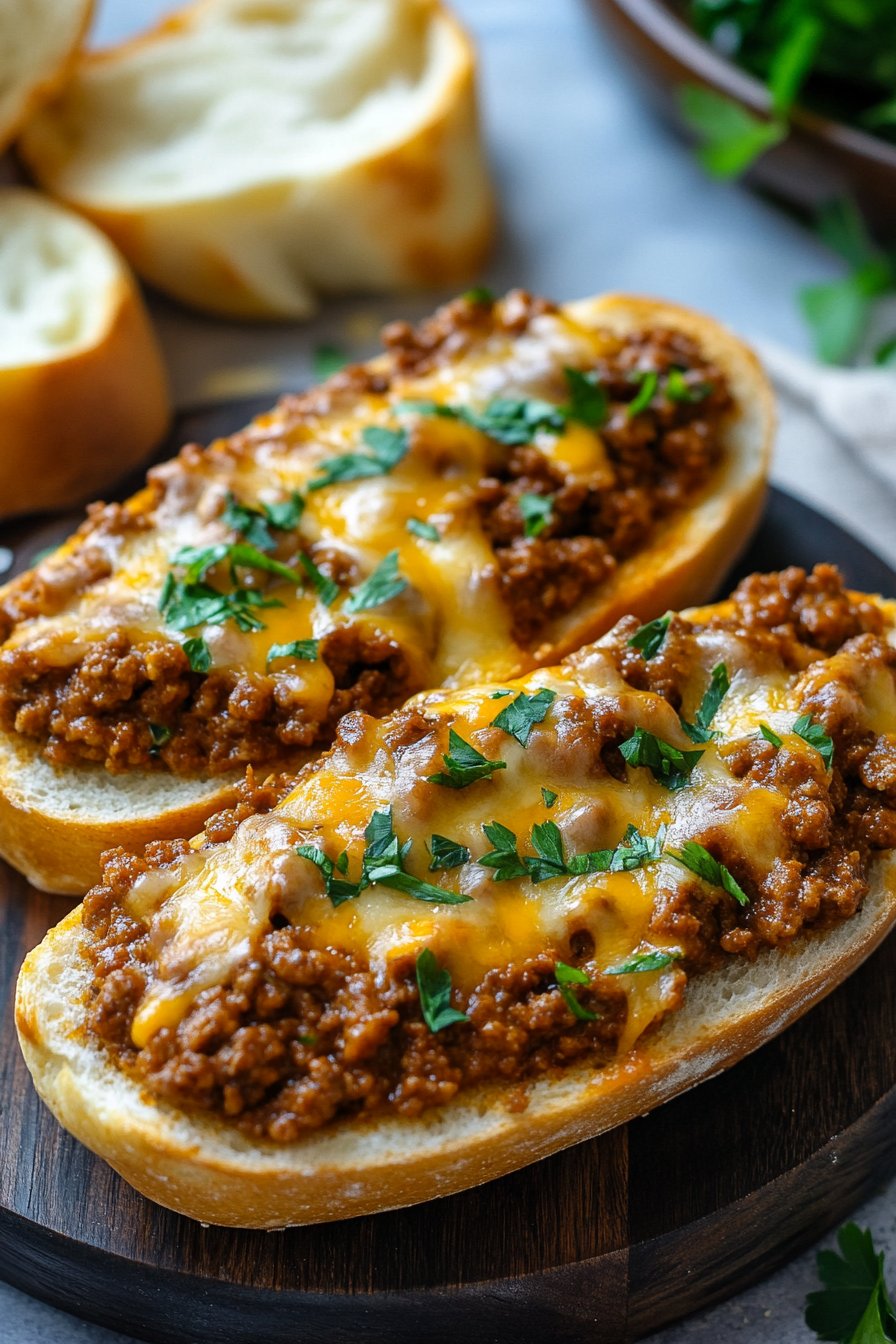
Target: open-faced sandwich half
{"type": "Point", "coordinates": [500, 486]}
{"type": "Point", "coordinates": [493, 924]}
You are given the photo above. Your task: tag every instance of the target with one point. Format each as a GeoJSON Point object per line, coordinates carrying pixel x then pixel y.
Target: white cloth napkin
{"type": "Point", "coordinates": [837, 442]}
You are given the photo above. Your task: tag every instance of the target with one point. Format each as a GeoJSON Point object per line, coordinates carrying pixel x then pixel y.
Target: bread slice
{"type": "Point", "coordinates": [249, 157]}
{"type": "Point", "coordinates": [206, 1169]}
{"type": "Point", "coordinates": [39, 43]}
{"type": "Point", "coordinates": [202, 1165]}
{"type": "Point", "coordinates": [684, 561]}
{"type": "Point", "coordinates": [83, 391]}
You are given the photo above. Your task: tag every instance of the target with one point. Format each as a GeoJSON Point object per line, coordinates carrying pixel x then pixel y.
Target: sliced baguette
{"type": "Point", "coordinates": [249, 157]}
{"type": "Point", "coordinates": [684, 563]}
{"type": "Point", "coordinates": [200, 1165]}
{"type": "Point", "coordinates": [39, 42]}
{"type": "Point", "coordinates": [83, 391]}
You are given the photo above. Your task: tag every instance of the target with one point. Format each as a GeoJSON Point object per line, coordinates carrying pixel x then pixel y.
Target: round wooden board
{"type": "Point", "coordinates": [602, 1243]}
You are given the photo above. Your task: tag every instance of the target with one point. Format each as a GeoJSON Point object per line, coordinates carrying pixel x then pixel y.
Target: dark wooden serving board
{"type": "Point", "coordinates": [602, 1243]}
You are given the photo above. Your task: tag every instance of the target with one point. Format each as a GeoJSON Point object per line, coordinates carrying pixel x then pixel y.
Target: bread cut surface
{"type": "Point", "coordinates": [465, 578]}
{"type": "Point", "coordinates": [39, 43]}
{"type": "Point", "coordinates": [679, 967]}
{"type": "Point", "coordinates": [83, 391]}
{"type": "Point", "coordinates": [250, 155]}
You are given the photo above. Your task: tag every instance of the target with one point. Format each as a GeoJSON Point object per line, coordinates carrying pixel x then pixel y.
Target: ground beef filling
{"type": "Point", "coordinates": [299, 1036]}
{"type": "Point", "coordinates": [130, 707]}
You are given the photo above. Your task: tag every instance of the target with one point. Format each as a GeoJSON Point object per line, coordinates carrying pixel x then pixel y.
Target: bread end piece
{"type": "Point", "coordinates": [39, 45]}
{"type": "Point", "coordinates": [203, 1168]}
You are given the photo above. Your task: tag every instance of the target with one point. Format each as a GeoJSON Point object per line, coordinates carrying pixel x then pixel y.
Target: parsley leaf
{"type": "Point", "coordinates": [198, 560]}
{"type": "Point", "coordinates": [718, 688]}
{"type": "Point", "coordinates": [548, 845]}
{"type": "Point", "coordinates": [650, 638]}
{"type": "Point", "coordinates": [381, 586]}
{"type": "Point", "coordinates": [549, 797]}
{"type": "Point", "coordinates": [159, 734]}
{"type": "Point", "coordinates": [587, 400]}
{"type": "Point", "coordinates": [387, 448]}
{"type": "Point", "coordinates": [731, 137]}
{"type": "Point", "coordinates": [446, 853]}
{"type": "Point", "coordinates": [199, 655]}
{"type": "Point", "coordinates": [521, 715]}
{"type": "Point", "coordinates": [383, 865]}
{"type": "Point", "coordinates": [255, 524]}
{"type": "Point", "coordinates": [649, 382]}
{"type": "Point", "coordinates": [814, 733]}
{"type": "Point", "coordinates": [479, 294]}
{"type": "Point", "coordinates": [434, 985]}
{"type": "Point", "coordinates": [326, 360]}
{"type": "Point", "coordinates": [838, 311]}
{"type": "Point", "coordinates": [306, 650]}
{"type": "Point", "coordinates": [699, 860]}
{"type": "Point", "coordinates": [465, 764]}
{"type": "Point", "coordinates": [678, 389]}
{"type": "Point", "coordinates": [327, 589]}
{"type": "Point", "coordinates": [337, 888]}
{"type": "Point", "coordinates": [500, 695]}
{"type": "Point", "coordinates": [566, 977]}
{"type": "Point", "coordinates": [426, 531]}
{"type": "Point", "coordinates": [638, 962]}
{"type": "Point", "coordinates": [186, 605]}
{"type": "Point", "coordinates": [537, 511]}
{"type": "Point", "coordinates": [854, 1306]}
{"type": "Point", "coordinates": [503, 857]}
{"type": "Point", "coordinates": [286, 514]}
{"type": "Point", "coordinates": [667, 764]}
{"type": "Point", "coordinates": [770, 735]}
{"type": "Point", "coordinates": [633, 851]}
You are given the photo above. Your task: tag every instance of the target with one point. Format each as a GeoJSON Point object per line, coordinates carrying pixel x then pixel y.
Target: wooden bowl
{"type": "Point", "coordinates": [820, 158]}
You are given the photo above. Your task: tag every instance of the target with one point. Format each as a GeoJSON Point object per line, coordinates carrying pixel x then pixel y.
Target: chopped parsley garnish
{"type": "Point", "coordinates": [327, 359]}
{"type": "Point", "coordinates": [718, 688]}
{"type": "Point", "coordinates": [514, 420]}
{"type": "Point", "coordinates": [186, 605]}
{"type": "Point", "coordinates": [814, 733]}
{"type": "Point", "coordinates": [770, 735]}
{"type": "Point", "coordinates": [337, 888]}
{"type": "Point", "coordinates": [668, 765]}
{"type": "Point", "coordinates": [381, 586]}
{"type": "Point", "coordinates": [649, 381]}
{"type": "Point", "coordinates": [434, 985]}
{"type": "Point", "coordinates": [306, 650]}
{"type": "Point", "coordinates": [464, 764]}
{"type": "Point", "coordinates": [500, 695]}
{"type": "Point", "coordinates": [446, 853]}
{"type": "Point", "coordinates": [567, 977]}
{"type": "Point", "coordinates": [426, 531]}
{"type": "Point", "coordinates": [536, 512]}
{"type": "Point", "coordinates": [549, 797]}
{"type": "Point", "coordinates": [521, 715]}
{"type": "Point", "coordinates": [327, 589]}
{"type": "Point", "coordinates": [854, 1306]}
{"type": "Point", "coordinates": [386, 449]}
{"type": "Point", "coordinates": [503, 858]}
{"type": "Point", "coordinates": [255, 524]}
{"type": "Point", "coordinates": [678, 388]}
{"type": "Point", "coordinates": [479, 294]}
{"type": "Point", "coordinates": [382, 865]}
{"type": "Point", "coordinates": [587, 400]}
{"type": "Point", "coordinates": [639, 962]}
{"type": "Point", "coordinates": [699, 860]}
{"type": "Point", "coordinates": [651, 637]}
{"type": "Point", "coordinates": [159, 734]}
{"type": "Point", "coordinates": [196, 561]}
{"type": "Point", "coordinates": [549, 860]}
{"type": "Point", "coordinates": [199, 655]}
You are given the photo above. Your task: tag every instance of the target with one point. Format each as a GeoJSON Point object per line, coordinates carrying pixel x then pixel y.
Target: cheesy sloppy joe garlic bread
{"type": "Point", "coordinates": [500, 486]}
{"type": "Point", "coordinates": [493, 924]}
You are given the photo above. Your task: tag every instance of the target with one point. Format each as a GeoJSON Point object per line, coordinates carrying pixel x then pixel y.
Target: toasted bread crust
{"type": "Point", "coordinates": [51, 75]}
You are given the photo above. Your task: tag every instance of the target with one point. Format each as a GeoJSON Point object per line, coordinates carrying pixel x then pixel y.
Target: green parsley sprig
{"type": "Point", "coordinates": [464, 764]}
{"type": "Point", "coordinates": [698, 860]}
{"type": "Point", "coordinates": [853, 1306]}
{"type": "Point", "coordinates": [434, 987]}
{"type": "Point", "coordinates": [669, 766]}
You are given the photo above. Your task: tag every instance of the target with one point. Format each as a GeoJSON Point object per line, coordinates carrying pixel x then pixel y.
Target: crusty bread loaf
{"type": "Point", "coordinates": [39, 42]}
{"type": "Point", "coordinates": [58, 844]}
{"type": "Point", "coordinates": [83, 391]}
{"type": "Point", "coordinates": [248, 157]}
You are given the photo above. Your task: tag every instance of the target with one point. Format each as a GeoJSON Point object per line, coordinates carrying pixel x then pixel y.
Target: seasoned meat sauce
{"type": "Point", "coordinates": [299, 1035]}
{"type": "Point", "coordinates": [129, 705]}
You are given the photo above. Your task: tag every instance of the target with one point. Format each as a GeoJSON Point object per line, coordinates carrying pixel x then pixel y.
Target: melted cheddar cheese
{"type": "Point", "coordinates": [204, 914]}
